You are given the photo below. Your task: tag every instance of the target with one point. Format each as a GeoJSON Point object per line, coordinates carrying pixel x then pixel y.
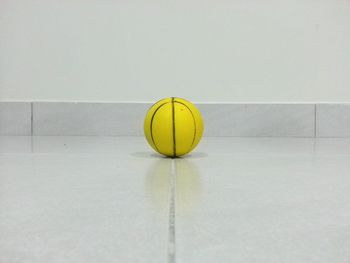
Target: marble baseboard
{"type": "Point", "coordinates": [102, 119]}
{"type": "Point", "coordinates": [333, 120]}
{"type": "Point", "coordinates": [259, 120]}
{"type": "Point", "coordinates": [126, 119]}
{"type": "Point", "coordinates": [15, 118]}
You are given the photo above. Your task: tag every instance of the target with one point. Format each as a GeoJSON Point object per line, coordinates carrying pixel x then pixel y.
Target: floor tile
{"type": "Point", "coordinates": [279, 203]}
{"type": "Point", "coordinates": [108, 199]}
{"type": "Point", "coordinates": [76, 206]}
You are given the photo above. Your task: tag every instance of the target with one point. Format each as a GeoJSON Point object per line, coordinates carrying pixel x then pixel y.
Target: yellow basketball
{"type": "Point", "coordinates": [173, 127]}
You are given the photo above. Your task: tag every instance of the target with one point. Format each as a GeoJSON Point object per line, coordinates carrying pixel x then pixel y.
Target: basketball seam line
{"type": "Point", "coordinates": [173, 120]}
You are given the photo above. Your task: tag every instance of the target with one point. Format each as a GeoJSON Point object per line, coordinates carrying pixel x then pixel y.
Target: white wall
{"type": "Point", "coordinates": [206, 51]}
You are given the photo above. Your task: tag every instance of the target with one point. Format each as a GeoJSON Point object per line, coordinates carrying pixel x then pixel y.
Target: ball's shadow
{"type": "Point", "coordinates": [147, 155]}
{"type": "Point", "coordinates": [152, 155]}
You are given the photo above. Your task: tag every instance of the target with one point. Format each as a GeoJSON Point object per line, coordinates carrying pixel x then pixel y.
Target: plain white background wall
{"type": "Point", "coordinates": [206, 51]}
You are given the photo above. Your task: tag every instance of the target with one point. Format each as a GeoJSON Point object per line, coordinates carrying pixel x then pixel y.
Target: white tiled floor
{"type": "Point", "coordinates": [108, 199]}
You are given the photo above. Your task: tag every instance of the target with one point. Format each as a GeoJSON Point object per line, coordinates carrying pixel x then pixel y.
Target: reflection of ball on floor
{"type": "Point", "coordinates": [173, 126]}
{"type": "Point", "coordinates": [188, 184]}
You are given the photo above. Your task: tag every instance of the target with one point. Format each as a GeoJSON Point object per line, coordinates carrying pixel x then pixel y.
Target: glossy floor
{"type": "Point", "coordinates": [110, 199]}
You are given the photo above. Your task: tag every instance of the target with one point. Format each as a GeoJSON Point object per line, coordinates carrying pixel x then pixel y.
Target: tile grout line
{"type": "Point", "coordinates": [315, 119]}
{"type": "Point", "coordinates": [172, 198]}
{"type": "Point", "coordinates": [31, 119]}
{"type": "Point", "coordinates": [31, 128]}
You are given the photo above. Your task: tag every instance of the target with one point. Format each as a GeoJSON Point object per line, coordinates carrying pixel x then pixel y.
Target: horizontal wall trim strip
{"type": "Point", "coordinates": [220, 119]}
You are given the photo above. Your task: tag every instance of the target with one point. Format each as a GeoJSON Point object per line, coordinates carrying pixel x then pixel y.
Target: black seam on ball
{"type": "Point", "coordinates": [173, 120]}
{"type": "Point", "coordinates": [151, 128]}
{"type": "Point", "coordinates": [194, 120]}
